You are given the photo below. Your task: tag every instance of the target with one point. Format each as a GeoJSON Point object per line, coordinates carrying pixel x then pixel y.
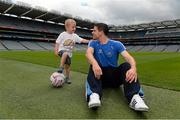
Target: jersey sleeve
{"type": "Point", "coordinates": [78, 39]}
{"type": "Point", "coordinates": [59, 39]}
{"type": "Point", "coordinates": [120, 47]}
{"type": "Point", "coordinates": [91, 44]}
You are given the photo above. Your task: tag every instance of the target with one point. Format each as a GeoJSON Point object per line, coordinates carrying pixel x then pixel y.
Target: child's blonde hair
{"type": "Point", "coordinates": [69, 21]}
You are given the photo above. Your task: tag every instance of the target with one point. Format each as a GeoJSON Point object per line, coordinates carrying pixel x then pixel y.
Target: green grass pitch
{"type": "Point", "coordinates": [25, 90]}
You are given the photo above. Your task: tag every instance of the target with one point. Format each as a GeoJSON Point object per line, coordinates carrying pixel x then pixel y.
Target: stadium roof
{"type": "Point", "coordinates": [24, 10]}
{"type": "Point", "coordinates": [146, 26]}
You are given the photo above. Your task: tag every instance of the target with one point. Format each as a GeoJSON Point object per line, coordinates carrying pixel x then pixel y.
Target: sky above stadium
{"type": "Point", "coordinates": [116, 12]}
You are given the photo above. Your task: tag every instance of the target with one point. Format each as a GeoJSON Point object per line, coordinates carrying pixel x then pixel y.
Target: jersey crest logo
{"type": "Point", "coordinates": [68, 42]}
{"type": "Point", "coordinates": [109, 54]}
{"type": "Point", "coordinates": [100, 51]}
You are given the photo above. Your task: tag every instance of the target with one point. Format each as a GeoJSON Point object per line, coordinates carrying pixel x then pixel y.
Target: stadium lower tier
{"type": "Point", "coordinates": [32, 45]}
{"type": "Point", "coordinates": [43, 46]}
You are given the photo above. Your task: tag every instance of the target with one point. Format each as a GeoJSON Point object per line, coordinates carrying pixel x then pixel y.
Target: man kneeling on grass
{"type": "Point", "coordinates": [102, 54]}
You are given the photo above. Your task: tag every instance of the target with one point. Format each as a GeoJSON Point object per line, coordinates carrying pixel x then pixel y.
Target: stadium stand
{"type": "Point", "coordinates": [46, 46]}
{"type": "Point", "coordinates": [19, 22]}
{"type": "Point", "coordinates": [172, 48]}
{"type": "Point", "coordinates": [147, 48]}
{"type": "Point", "coordinates": [2, 47]}
{"type": "Point", "coordinates": [136, 48]}
{"type": "Point", "coordinates": [31, 45]}
{"type": "Point", "coordinates": [159, 48]}
{"type": "Point", "coordinates": [23, 27]}
{"type": "Point", "coordinates": [13, 45]}
{"type": "Point", "coordinates": [155, 37]}
{"type": "Point", "coordinates": [171, 32]}
{"type": "Point", "coordinates": [80, 47]}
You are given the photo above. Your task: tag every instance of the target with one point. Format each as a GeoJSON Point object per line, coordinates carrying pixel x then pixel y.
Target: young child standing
{"type": "Point", "coordinates": [64, 47]}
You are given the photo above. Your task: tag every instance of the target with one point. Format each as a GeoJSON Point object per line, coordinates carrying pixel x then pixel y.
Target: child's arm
{"type": "Point", "coordinates": [56, 49]}
{"type": "Point", "coordinates": [84, 41]}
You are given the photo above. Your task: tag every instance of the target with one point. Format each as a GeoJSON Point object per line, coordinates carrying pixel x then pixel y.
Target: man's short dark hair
{"type": "Point", "coordinates": [102, 27]}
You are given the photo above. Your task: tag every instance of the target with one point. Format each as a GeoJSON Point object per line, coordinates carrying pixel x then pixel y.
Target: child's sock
{"type": "Point", "coordinates": [68, 80]}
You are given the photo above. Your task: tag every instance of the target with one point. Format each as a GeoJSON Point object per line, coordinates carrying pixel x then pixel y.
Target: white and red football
{"type": "Point", "coordinates": [57, 79]}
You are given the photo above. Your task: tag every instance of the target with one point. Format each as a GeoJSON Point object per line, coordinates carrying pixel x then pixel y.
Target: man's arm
{"type": "Point", "coordinates": [95, 66]}
{"type": "Point", "coordinates": [56, 49]}
{"type": "Point", "coordinates": [131, 74]}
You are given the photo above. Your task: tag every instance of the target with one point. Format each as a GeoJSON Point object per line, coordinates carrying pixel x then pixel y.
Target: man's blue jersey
{"type": "Point", "coordinates": [107, 54]}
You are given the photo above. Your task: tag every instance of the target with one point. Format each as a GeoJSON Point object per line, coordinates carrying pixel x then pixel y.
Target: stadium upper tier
{"type": "Point", "coordinates": [21, 25]}
{"type": "Point", "coordinates": [24, 10]}
{"type": "Point", "coordinates": [21, 9]}
{"type": "Point", "coordinates": [18, 28]}
{"type": "Point", "coordinates": [146, 26]}
{"type": "Point", "coordinates": [37, 26]}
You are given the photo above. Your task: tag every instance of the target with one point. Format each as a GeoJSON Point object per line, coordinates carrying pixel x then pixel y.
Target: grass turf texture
{"type": "Point", "coordinates": [26, 93]}
{"type": "Point", "coordinates": [155, 69]}
{"type": "Point", "coordinates": [25, 90]}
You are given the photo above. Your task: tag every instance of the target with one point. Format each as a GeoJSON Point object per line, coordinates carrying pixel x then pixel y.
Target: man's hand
{"type": "Point", "coordinates": [97, 71]}
{"type": "Point", "coordinates": [131, 75]}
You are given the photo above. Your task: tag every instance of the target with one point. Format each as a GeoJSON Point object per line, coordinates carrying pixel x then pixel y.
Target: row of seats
{"type": "Point", "coordinates": [154, 48]}
{"type": "Point", "coordinates": [170, 32]}
{"type": "Point", "coordinates": [25, 45]}
{"type": "Point", "coordinates": [31, 45]}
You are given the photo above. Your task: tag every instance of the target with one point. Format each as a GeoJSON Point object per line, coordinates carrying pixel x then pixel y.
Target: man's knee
{"type": "Point", "coordinates": [122, 69]}
{"type": "Point", "coordinates": [126, 65]}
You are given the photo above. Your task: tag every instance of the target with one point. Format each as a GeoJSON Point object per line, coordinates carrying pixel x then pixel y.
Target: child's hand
{"type": "Point", "coordinates": [56, 49]}
{"type": "Point", "coordinates": [56, 53]}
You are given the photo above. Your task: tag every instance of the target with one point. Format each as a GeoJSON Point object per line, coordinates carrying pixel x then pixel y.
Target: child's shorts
{"type": "Point", "coordinates": [68, 59]}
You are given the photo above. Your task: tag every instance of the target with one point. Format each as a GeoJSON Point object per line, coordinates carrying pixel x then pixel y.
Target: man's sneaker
{"type": "Point", "coordinates": [137, 103]}
{"type": "Point", "coordinates": [94, 101]}
{"type": "Point", "coordinates": [68, 81]}
{"type": "Point", "coordinates": [60, 70]}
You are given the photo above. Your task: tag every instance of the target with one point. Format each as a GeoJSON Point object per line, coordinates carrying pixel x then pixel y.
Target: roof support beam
{"type": "Point", "coordinates": [41, 15]}
{"type": "Point", "coordinates": [26, 12]}
{"type": "Point", "coordinates": [54, 18]}
{"type": "Point", "coordinates": [9, 8]}
{"type": "Point", "coordinates": [176, 23]}
{"type": "Point", "coordinates": [163, 24]}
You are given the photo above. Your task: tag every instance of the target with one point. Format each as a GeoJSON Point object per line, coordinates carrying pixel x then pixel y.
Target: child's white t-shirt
{"type": "Point", "coordinates": [67, 42]}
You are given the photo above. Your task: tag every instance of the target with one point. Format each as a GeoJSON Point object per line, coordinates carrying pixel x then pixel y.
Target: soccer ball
{"type": "Point", "coordinates": [57, 79]}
